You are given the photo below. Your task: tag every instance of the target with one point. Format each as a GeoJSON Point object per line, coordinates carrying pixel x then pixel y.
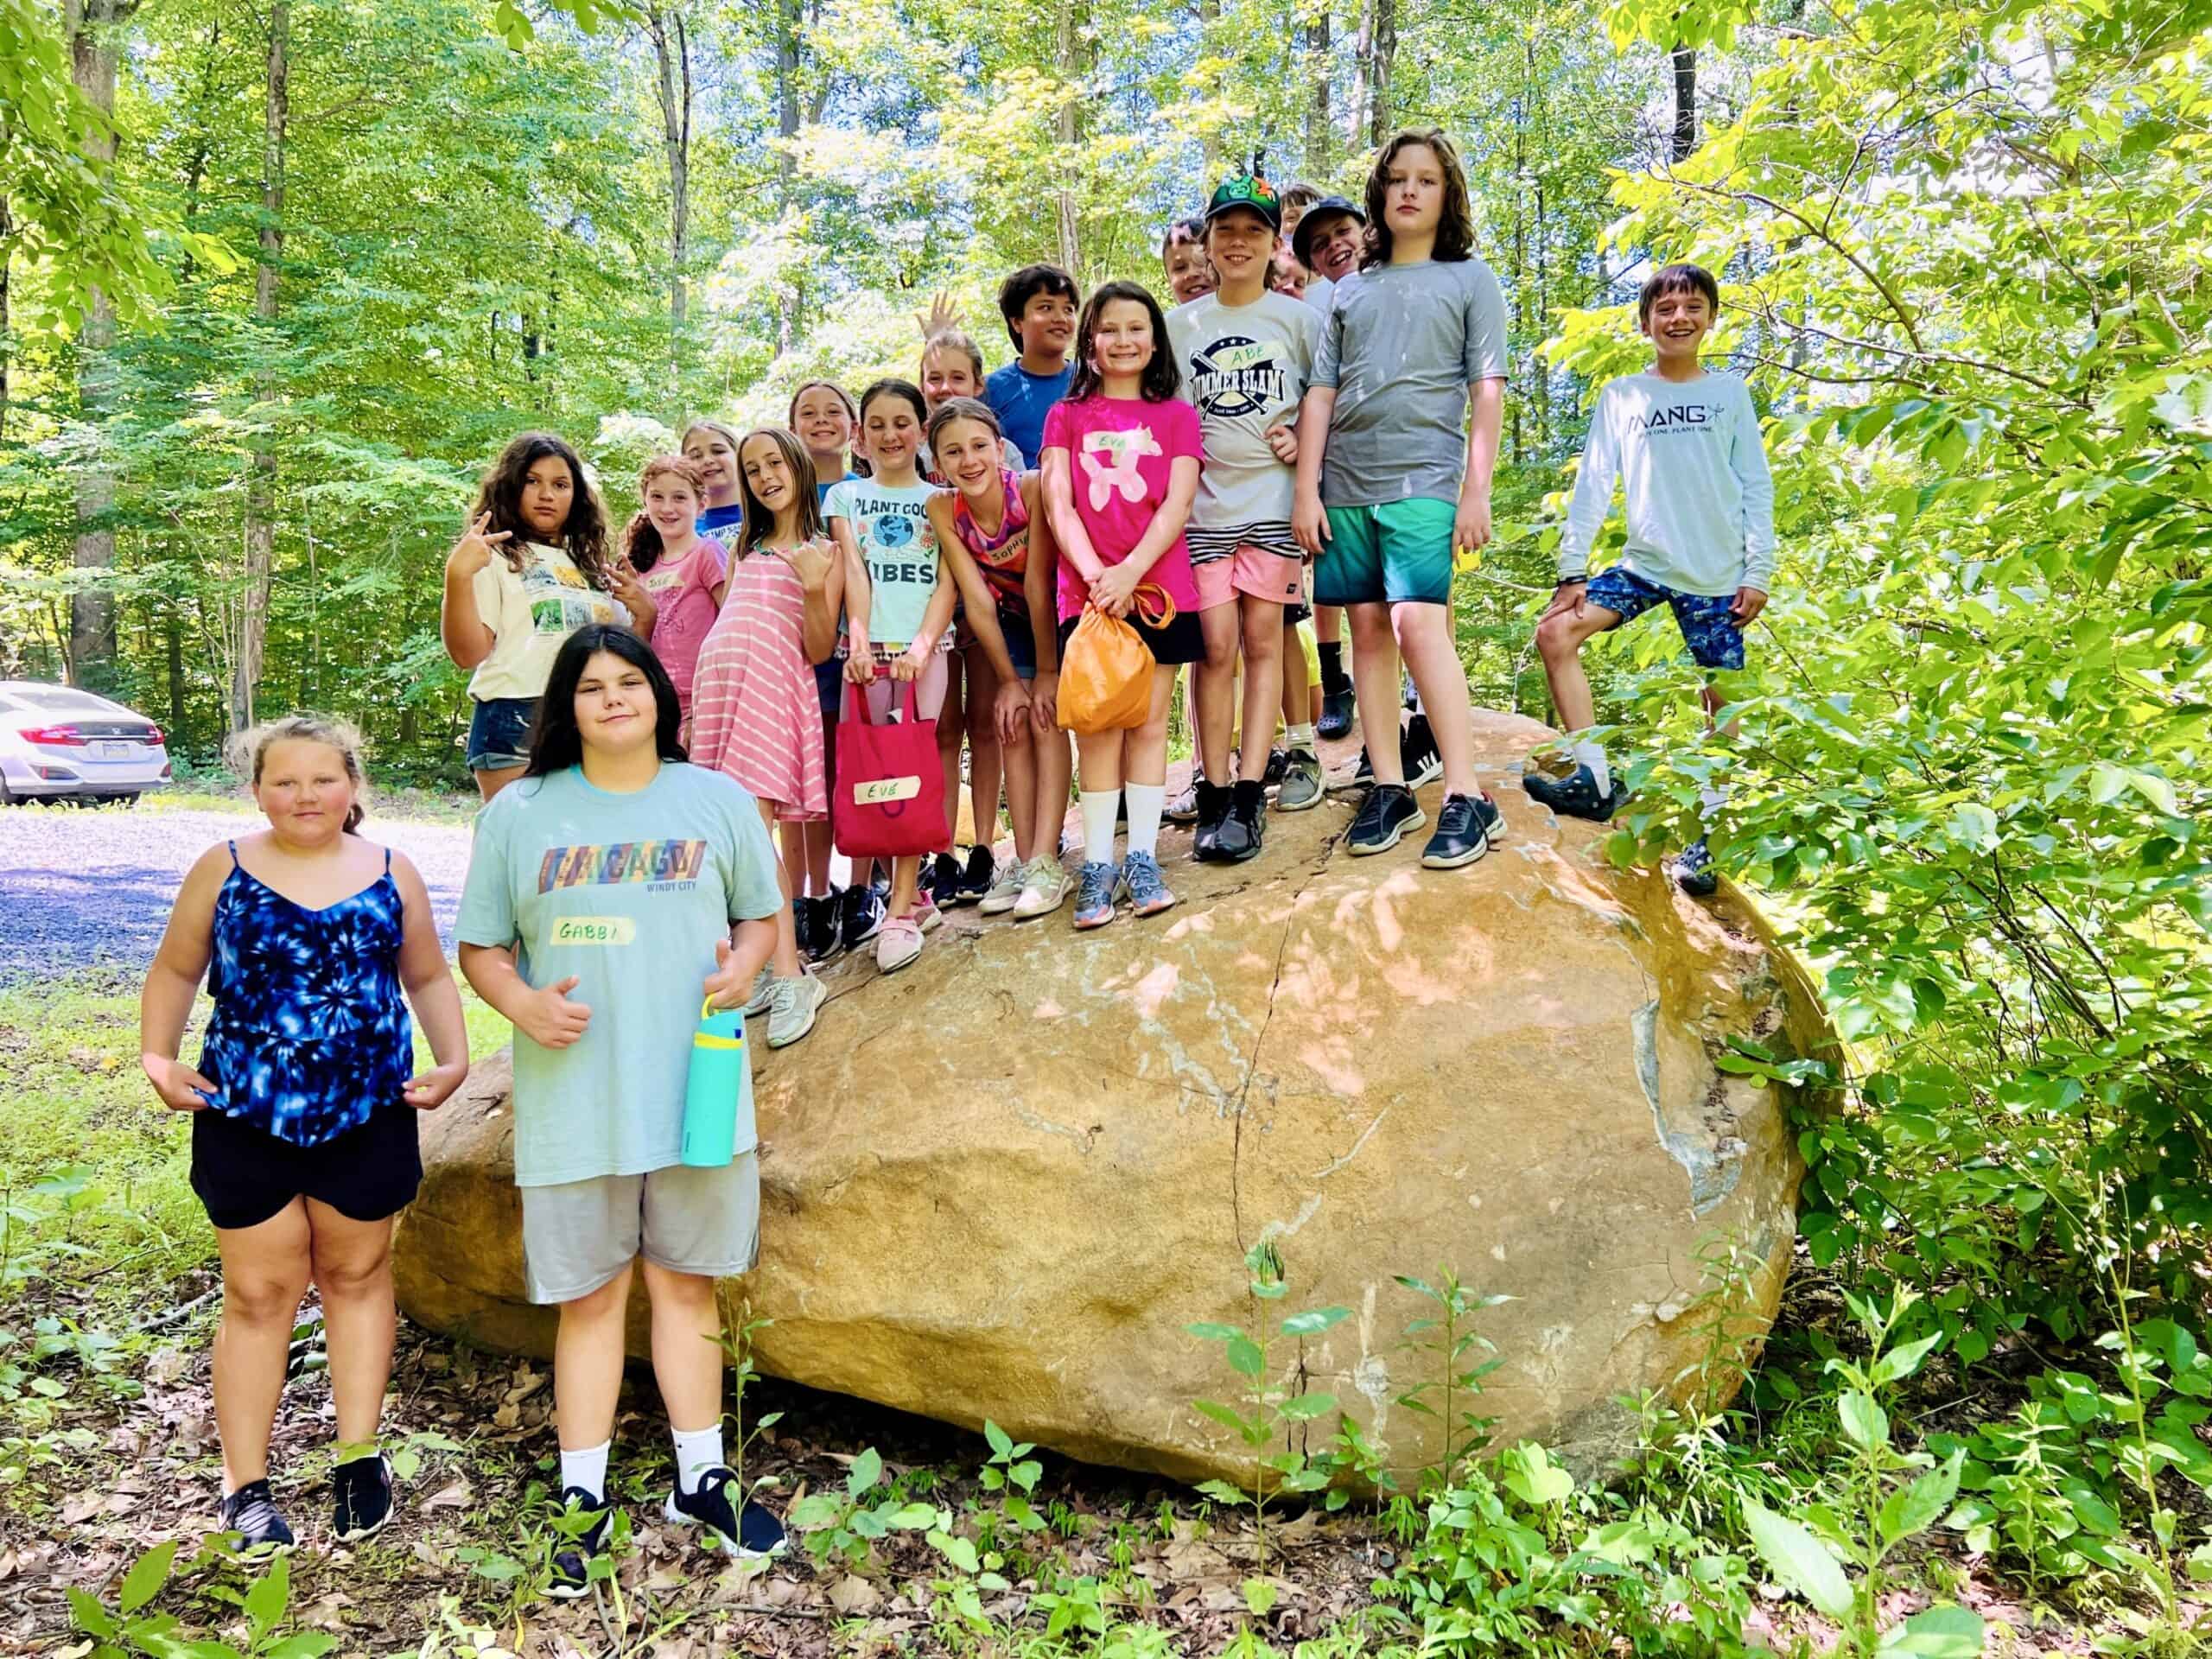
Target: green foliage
{"type": "Point", "coordinates": [1455, 1377]}
{"type": "Point", "coordinates": [129, 1628]}
{"type": "Point", "coordinates": [845, 1525]}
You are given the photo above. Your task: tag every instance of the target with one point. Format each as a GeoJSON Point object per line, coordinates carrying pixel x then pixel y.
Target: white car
{"type": "Point", "coordinates": [58, 743]}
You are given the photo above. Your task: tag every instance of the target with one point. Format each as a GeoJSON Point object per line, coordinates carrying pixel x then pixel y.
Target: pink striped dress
{"type": "Point", "coordinates": [755, 714]}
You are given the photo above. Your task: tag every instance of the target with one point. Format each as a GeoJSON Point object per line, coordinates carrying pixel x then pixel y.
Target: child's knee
{"type": "Point", "coordinates": [1556, 640]}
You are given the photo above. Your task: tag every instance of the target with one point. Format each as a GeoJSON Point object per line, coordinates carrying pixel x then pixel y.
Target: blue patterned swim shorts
{"type": "Point", "coordinates": [1708, 630]}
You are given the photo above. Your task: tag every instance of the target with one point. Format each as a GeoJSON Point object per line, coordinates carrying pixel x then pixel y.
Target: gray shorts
{"type": "Point", "coordinates": [576, 1236]}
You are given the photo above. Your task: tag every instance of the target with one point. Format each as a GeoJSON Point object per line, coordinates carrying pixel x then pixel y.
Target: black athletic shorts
{"type": "Point", "coordinates": [1182, 640]}
{"type": "Point", "coordinates": [245, 1175]}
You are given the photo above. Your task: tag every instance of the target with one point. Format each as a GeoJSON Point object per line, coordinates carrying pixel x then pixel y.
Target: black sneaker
{"type": "Point", "coordinates": [1466, 828]}
{"type": "Point", "coordinates": [1213, 812]}
{"type": "Point", "coordinates": [1278, 765]}
{"type": "Point", "coordinates": [859, 914]}
{"type": "Point", "coordinates": [1693, 871]}
{"type": "Point", "coordinates": [1388, 812]}
{"type": "Point", "coordinates": [1417, 751]}
{"type": "Point", "coordinates": [1243, 832]}
{"type": "Point", "coordinates": [1337, 709]}
{"type": "Point", "coordinates": [751, 1533]}
{"type": "Point", "coordinates": [817, 921]}
{"type": "Point", "coordinates": [361, 1492]}
{"type": "Point", "coordinates": [580, 1529]}
{"type": "Point", "coordinates": [252, 1514]}
{"type": "Point", "coordinates": [944, 881]}
{"type": "Point", "coordinates": [1575, 796]}
{"type": "Point", "coordinates": [976, 879]}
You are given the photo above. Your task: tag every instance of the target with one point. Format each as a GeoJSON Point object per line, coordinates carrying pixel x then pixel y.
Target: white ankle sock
{"type": "Point", "coordinates": [1587, 753]}
{"type": "Point", "coordinates": [585, 1468]}
{"type": "Point", "coordinates": [1099, 808]}
{"type": "Point", "coordinates": [1298, 737]}
{"type": "Point", "coordinates": [698, 1450]}
{"type": "Point", "coordinates": [1147, 802]}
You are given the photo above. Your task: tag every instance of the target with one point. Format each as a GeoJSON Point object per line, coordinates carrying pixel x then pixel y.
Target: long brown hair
{"type": "Point", "coordinates": [584, 537]}
{"type": "Point", "coordinates": [1455, 229]}
{"type": "Point", "coordinates": [759, 521]}
{"type": "Point", "coordinates": [641, 542]}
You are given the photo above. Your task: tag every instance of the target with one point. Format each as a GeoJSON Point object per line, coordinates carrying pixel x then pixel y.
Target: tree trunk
{"type": "Point", "coordinates": [261, 480]}
{"type": "Point", "coordinates": [173, 626]}
{"type": "Point", "coordinates": [672, 51]}
{"type": "Point", "coordinates": [787, 129]}
{"type": "Point", "coordinates": [1381, 54]}
{"type": "Point", "coordinates": [7, 268]}
{"type": "Point", "coordinates": [1317, 132]}
{"type": "Point", "coordinates": [1685, 139]}
{"type": "Point", "coordinates": [1209, 25]}
{"type": "Point", "coordinates": [93, 26]}
{"type": "Point", "coordinates": [1069, 57]}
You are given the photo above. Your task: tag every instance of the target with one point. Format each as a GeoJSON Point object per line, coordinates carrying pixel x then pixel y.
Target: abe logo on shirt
{"type": "Point", "coordinates": [1236, 377]}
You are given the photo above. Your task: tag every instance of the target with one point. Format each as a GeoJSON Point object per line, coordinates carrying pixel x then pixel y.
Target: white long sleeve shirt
{"type": "Point", "coordinates": [1700, 500]}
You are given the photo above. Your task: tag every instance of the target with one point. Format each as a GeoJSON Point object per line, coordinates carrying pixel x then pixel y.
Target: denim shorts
{"type": "Point", "coordinates": [498, 733]}
{"type": "Point", "coordinates": [1020, 642]}
{"type": "Point", "coordinates": [1707, 629]}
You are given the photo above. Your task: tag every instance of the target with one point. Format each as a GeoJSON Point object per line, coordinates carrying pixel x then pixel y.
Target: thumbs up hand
{"type": "Point", "coordinates": [550, 1019]}
{"type": "Point", "coordinates": [725, 988]}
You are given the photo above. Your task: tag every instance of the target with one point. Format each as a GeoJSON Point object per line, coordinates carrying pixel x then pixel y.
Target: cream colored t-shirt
{"type": "Point", "coordinates": [530, 613]}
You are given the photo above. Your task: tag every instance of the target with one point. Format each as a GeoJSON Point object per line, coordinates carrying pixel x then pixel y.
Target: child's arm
{"type": "Point", "coordinates": [1118, 585]}
{"type": "Point", "coordinates": [859, 665]}
{"type": "Point", "coordinates": [736, 965]}
{"type": "Point", "coordinates": [1039, 588]}
{"type": "Point", "coordinates": [983, 618]}
{"type": "Point", "coordinates": [1747, 460]}
{"type": "Point", "coordinates": [1067, 524]}
{"type": "Point", "coordinates": [165, 1004]}
{"type": "Point", "coordinates": [429, 987]}
{"type": "Point", "coordinates": [820, 572]}
{"type": "Point", "coordinates": [1587, 507]}
{"type": "Point", "coordinates": [638, 605]}
{"type": "Point", "coordinates": [716, 559]}
{"type": "Point", "coordinates": [468, 637]}
{"type": "Point", "coordinates": [547, 1017]}
{"type": "Point", "coordinates": [1471, 524]}
{"type": "Point", "coordinates": [1308, 522]}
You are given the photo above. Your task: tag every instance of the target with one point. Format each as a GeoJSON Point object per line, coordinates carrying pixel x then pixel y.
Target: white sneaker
{"type": "Point", "coordinates": [1045, 887]}
{"type": "Point", "coordinates": [1006, 888]}
{"type": "Point", "coordinates": [764, 991]}
{"type": "Point", "coordinates": [790, 1015]}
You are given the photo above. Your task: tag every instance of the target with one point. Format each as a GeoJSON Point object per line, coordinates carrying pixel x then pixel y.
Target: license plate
{"type": "Point", "coordinates": [114, 751]}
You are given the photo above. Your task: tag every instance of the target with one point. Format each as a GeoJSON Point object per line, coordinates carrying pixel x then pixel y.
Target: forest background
{"type": "Point", "coordinates": [279, 278]}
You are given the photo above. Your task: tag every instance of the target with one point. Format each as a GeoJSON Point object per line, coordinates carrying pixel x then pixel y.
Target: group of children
{"type": "Point", "coordinates": [1315, 422]}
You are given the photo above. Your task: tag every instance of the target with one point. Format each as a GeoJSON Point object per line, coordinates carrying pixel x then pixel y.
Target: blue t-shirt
{"type": "Point", "coordinates": [714, 520]}
{"type": "Point", "coordinates": [1020, 399]}
{"type": "Point", "coordinates": [822, 490]}
{"type": "Point", "coordinates": [628, 893]}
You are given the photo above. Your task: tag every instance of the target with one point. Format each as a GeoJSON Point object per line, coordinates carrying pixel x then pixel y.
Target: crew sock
{"type": "Point", "coordinates": [585, 1467]}
{"type": "Point", "coordinates": [1099, 808]}
{"type": "Point", "coordinates": [1145, 804]}
{"type": "Point", "coordinates": [698, 1450]}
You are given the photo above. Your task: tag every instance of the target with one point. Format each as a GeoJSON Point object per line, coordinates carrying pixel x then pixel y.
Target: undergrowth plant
{"type": "Point", "coordinates": [1449, 1338]}
{"type": "Point", "coordinates": [128, 1628]}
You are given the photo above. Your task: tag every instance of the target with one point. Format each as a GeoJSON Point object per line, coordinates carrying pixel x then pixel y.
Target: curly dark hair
{"type": "Point", "coordinates": [1455, 231]}
{"type": "Point", "coordinates": [1162, 379]}
{"type": "Point", "coordinates": [583, 538]}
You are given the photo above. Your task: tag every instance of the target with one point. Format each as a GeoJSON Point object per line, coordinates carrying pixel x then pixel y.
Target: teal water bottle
{"type": "Point", "coordinates": [714, 1086]}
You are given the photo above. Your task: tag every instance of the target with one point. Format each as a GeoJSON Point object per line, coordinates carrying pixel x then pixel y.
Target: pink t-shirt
{"type": "Point", "coordinates": [683, 588]}
{"type": "Point", "coordinates": [1120, 452]}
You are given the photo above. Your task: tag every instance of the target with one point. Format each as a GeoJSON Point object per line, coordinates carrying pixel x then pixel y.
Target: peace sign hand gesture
{"type": "Point", "coordinates": [474, 551]}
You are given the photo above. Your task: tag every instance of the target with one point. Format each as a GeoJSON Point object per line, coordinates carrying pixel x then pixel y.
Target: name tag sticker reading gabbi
{"type": "Point", "coordinates": [594, 930]}
{"type": "Point", "coordinates": [887, 789]}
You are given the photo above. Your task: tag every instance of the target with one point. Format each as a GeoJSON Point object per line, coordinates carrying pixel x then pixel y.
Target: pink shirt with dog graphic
{"type": "Point", "coordinates": [1122, 453]}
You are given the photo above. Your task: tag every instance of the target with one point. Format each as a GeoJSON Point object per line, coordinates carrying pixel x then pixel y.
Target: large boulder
{"type": "Point", "coordinates": [1000, 1183]}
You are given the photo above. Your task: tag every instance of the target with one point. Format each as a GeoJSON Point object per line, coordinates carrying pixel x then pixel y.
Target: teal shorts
{"type": "Point", "coordinates": [1398, 552]}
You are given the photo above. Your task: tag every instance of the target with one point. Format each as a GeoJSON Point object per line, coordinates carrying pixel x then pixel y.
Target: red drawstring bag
{"type": "Point", "coordinates": [889, 801]}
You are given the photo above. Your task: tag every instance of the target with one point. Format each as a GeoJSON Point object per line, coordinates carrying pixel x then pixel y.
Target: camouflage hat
{"type": "Point", "coordinates": [1247, 190]}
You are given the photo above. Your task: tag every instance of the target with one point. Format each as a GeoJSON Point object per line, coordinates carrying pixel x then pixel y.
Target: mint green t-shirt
{"type": "Point", "coordinates": [628, 893]}
{"type": "Point", "coordinates": [893, 530]}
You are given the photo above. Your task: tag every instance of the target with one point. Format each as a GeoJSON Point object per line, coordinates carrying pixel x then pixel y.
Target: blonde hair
{"type": "Point", "coordinates": [953, 339]}
{"type": "Point", "coordinates": [725, 433]}
{"type": "Point", "coordinates": [245, 753]}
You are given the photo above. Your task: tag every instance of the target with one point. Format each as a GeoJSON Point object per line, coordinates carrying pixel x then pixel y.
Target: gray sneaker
{"type": "Point", "coordinates": [764, 991]}
{"type": "Point", "coordinates": [792, 1006]}
{"type": "Point", "coordinates": [1094, 898]}
{"type": "Point", "coordinates": [1145, 886]}
{"type": "Point", "coordinates": [1301, 782]}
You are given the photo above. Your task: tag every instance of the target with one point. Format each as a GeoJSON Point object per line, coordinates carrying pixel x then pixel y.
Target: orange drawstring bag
{"type": "Point", "coordinates": [1106, 671]}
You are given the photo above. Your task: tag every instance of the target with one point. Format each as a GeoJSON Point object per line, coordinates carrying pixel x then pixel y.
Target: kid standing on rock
{"type": "Point", "coordinates": [303, 1131]}
{"type": "Point", "coordinates": [1700, 535]}
{"type": "Point", "coordinates": [1245, 353]}
{"type": "Point", "coordinates": [683, 570]}
{"type": "Point", "coordinates": [1412, 338]}
{"type": "Point", "coordinates": [1120, 462]}
{"type": "Point", "coordinates": [756, 720]}
{"type": "Point", "coordinates": [601, 896]}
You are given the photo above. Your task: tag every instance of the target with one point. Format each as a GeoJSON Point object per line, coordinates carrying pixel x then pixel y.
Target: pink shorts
{"type": "Point", "coordinates": [1216, 583]}
{"type": "Point", "coordinates": [1271, 577]}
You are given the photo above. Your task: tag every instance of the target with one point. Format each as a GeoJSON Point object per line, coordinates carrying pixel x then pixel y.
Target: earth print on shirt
{"type": "Point", "coordinates": [1236, 376]}
{"type": "Point", "coordinates": [1109, 461]}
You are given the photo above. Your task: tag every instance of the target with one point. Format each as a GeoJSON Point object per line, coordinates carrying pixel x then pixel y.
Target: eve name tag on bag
{"type": "Point", "coordinates": [887, 789]}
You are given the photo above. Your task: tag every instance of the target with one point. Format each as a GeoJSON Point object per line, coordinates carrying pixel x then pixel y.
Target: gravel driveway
{"type": "Point", "coordinates": [89, 887]}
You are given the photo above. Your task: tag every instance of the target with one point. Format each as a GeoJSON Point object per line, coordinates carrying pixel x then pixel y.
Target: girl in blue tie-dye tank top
{"type": "Point", "coordinates": [303, 1131]}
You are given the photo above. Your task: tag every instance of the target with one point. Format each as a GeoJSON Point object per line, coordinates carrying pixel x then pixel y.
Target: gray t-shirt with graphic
{"type": "Point", "coordinates": [1401, 345]}
{"type": "Point", "coordinates": [1245, 368]}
